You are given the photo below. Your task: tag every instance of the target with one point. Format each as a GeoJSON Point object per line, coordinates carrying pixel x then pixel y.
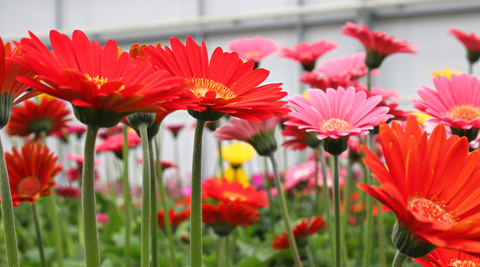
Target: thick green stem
{"type": "Point", "coordinates": [56, 230]}
{"type": "Point", "coordinates": [146, 199]}
{"type": "Point", "coordinates": [316, 209]}
{"type": "Point", "coordinates": [39, 235]}
{"type": "Point", "coordinates": [126, 195]}
{"type": "Point", "coordinates": [369, 232]}
{"type": "Point", "coordinates": [283, 208]}
{"type": "Point", "coordinates": [90, 232]}
{"type": "Point", "coordinates": [222, 251]}
{"type": "Point", "coordinates": [220, 158]}
{"type": "Point", "coordinates": [326, 196]}
{"type": "Point", "coordinates": [153, 207]}
{"type": "Point", "coordinates": [196, 257]}
{"type": "Point", "coordinates": [399, 260]}
{"type": "Point", "coordinates": [311, 260]}
{"type": "Point", "coordinates": [336, 204]}
{"type": "Point", "coordinates": [166, 215]}
{"type": "Point", "coordinates": [268, 186]}
{"type": "Point", "coordinates": [369, 79]}
{"type": "Point", "coordinates": [8, 219]}
{"type": "Point", "coordinates": [470, 68]}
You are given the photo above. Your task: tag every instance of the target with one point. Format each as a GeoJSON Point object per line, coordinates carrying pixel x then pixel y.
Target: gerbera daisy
{"type": "Point", "coordinates": [322, 81]}
{"type": "Point", "coordinates": [102, 218]}
{"type": "Point", "coordinates": [175, 128]}
{"type": "Point", "coordinates": [102, 85]}
{"type": "Point", "coordinates": [224, 217]}
{"type": "Point", "coordinates": [175, 218]}
{"type": "Point", "coordinates": [301, 232]}
{"type": "Point", "coordinates": [352, 67]}
{"type": "Point", "coordinates": [115, 143]}
{"type": "Point", "coordinates": [237, 153]}
{"type": "Point", "coordinates": [254, 49]}
{"type": "Point", "coordinates": [222, 190]}
{"type": "Point", "coordinates": [306, 53]}
{"type": "Point", "coordinates": [104, 133]}
{"type": "Point", "coordinates": [441, 257]}
{"type": "Point", "coordinates": [445, 71]}
{"type": "Point", "coordinates": [378, 45]}
{"type": "Point", "coordinates": [455, 103]}
{"type": "Point", "coordinates": [427, 182]}
{"type": "Point", "coordinates": [31, 170]}
{"type": "Point", "coordinates": [471, 42]}
{"type": "Point", "coordinates": [299, 173]}
{"type": "Point", "coordinates": [299, 139]}
{"type": "Point", "coordinates": [68, 191]}
{"type": "Point", "coordinates": [225, 85]}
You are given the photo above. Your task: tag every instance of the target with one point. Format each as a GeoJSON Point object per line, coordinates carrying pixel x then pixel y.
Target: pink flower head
{"type": "Point", "coordinates": [322, 81]}
{"type": "Point", "coordinates": [175, 128]}
{"type": "Point", "coordinates": [243, 130]}
{"type": "Point", "coordinates": [299, 173]}
{"type": "Point", "coordinates": [470, 41]}
{"type": "Point", "coordinates": [455, 102]}
{"type": "Point", "coordinates": [79, 159]}
{"type": "Point", "coordinates": [377, 44]}
{"type": "Point", "coordinates": [102, 218]}
{"type": "Point", "coordinates": [342, 173]}
{"type": "Point", "coordinates": [306, 53]}
{"type": "Point", "coordinates": [104, 133]}
{"type": "Point", "coordinates": [298, 139]}
{"type": "Point", "coordinates": [398, 114]}
{"type": "Point", "coordinates": [77, 129]}
{"type": "Point", "coordinates": [68, 191]}
{"type": "Point", "coordinates": [351, 67]}
{"type": "Point", "coordinates": [115, 143]}
{"type": "Point", "coordinates": [337, 113]}
{"type": "Point", "coordinates": [254, 49]}
{"type": "Point", "coordinates": [165, 164]}
{"type": "Point", "coordinates": [75, 174]}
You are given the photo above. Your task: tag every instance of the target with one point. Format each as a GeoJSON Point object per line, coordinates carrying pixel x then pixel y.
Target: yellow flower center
{"type": "Point", "coordinates": [254, 53]}
{"type": "Point", "coordinates": [464, 112]}
{"type": "Point", "coordinates": [100, 81]}
{"type": "Point", "coordinates": [29, 186]}
{"type": "Point", "coordinates": [232, 196]}
{"type": "Point", "coordinates": [459, 263]}
{"type": "Point", "coordinates": [203, 86]}
{"type": "Point", "coordinates": [431, 209]}
{"type": "Point", "coordinates": [334, 124]}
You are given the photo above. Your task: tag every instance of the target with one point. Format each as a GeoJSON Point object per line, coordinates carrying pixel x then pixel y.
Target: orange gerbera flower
{"type": "Point", "coordinates": [225, 85]}
{"type": "Point", "coordinates": [48, 115]}
{"type": "Point", "coordinates": [102, 84]}
{"type": "Point", "coordinates": [431, 185]}
{"type": "Point", "coordinates": [227, 215]}
{"type": "Point", "coordinates": [441, 257]}
{"type": "Point", "coordinates": [175, 219]}
{"type": "Point", "coordinates": [31, 170]}
{"type": "Point", "coordinates": [223, 190]}
{"type": "Point", "coordinates": [301, 232]}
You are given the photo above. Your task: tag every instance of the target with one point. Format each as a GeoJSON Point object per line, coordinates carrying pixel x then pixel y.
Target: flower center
{"type": "Point", "coordinates": [232, 196]}
{"type": "Point", "coordinates": [100, 81]}
{"type": "Point", "coordinates": [252, 54]}
{"type": "Point", "coordinates": [459, 263]}
{"type": "Point", "coordinates": [29, 186]}
{"type": "Point", "coordinates": [306, 55]}
{"type": "Point", "coordinates": [301, 174]}
{"type": "Point", "coordinates": [464, 112]}
{"type": "Point", "coordinates": [433, 210]}
{"type": "Point", "coordinates": [203, 86]}
{"type": "Point", "coordinates": [334, 124]}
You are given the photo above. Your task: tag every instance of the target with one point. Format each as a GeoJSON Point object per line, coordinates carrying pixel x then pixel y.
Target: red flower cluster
{"type": "Point", "coordinates": [301, 232]}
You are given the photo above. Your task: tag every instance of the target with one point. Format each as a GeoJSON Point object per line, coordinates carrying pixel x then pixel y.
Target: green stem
{"type": "Point", "coordinates": [39, 235]}
{"type": "Point", "coordinates": [470, 68]}
{"type": "Point", "coordinates": [369, 232]}
{"type": "Point", "coordinates": [166, 215]}
{"type": "Point", "coordinates": [283, 208]}
{"type": "Point", "coordinates": [336, 204]}
{"type": "Point", "coordinates": [220, 158]}
{"type": "Point", "coordinates": [126, 195]}
{"type": "Point", "coordinates": [399, 260]}
{"type": "Point", "coordinates": [8, 219]}
{"type": "Point", "coordinates": [268, 186]}
{"type": "Point", "coordinates": [326, 196]}
{"type": "Point", "coordinates": [80, 223]}
{"type": "Point", "coordinates": [311, 261]}
{"type": "Point", "coordinates": [346, 195]}
{"type": "Point", "coordinates": [196, 199]}
{"type": "Point", "coordinates": [56, 230]}
{"type": "Point", "coordinates": [90, 232]}
{"type": "Point", "coordinates": [381, 236]}
{"type": "Point", "coordinates": [369, 79]}
{"type": "Point", "coordinates": [222, 251]}
{"type": "Point", "coordinates": [316, 209]}
{"type": "Point", "coordinates": [153, 207]}
{"type": "Point", "coordinates": [146, 199]}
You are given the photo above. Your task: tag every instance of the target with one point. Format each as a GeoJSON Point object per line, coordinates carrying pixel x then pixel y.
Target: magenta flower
{"type": "Point", "coordinates": [115, 143]}
{"type": "Point", "coordinates": [299, 173]}
{"type": "Point", "coordinates": [306, 53]}
{"type": "Point", "coordinates": [470, 41]}
{"type": "Point", "coordinates": [79, 159]}
{"type": "Point", "coordinates": [102, 218]}
{"type": "Point", "coordinates": [322, 81]}
{"type": "Point", "coordinates": [175, 128]}
{"type": "Point", "coordinates": [68, 191]}
{"type": "Point", "coordinates": [377, 44]}
{"type": "Point", "coordinates": [254, 49]}
{"type": "Point", "coordinates": [351, 67]}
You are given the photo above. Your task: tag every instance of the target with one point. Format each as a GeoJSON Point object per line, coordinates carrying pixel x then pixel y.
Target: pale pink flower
{"type": "Point", "coordinates": [307, 53]}
{"type": "Point", "coordinates": [79, 159]}
{"type": "Point", "coordinates": [115, 143]}
{"type": "Point", "coordinates": [337, 113]}
{"type": "Point", "coordinates": [254, 49]}
{"type": "Point", "coordinates": [243, 130]}
{"type": "Point", "coordinates": [352, 66]}
{"type": "Point", "coordinates": [299, 173]}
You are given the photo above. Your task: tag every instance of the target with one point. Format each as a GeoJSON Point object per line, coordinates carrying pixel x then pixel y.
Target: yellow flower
{"type": "Point", "coordinates": [236, 174]}
{"type": "Point", "coordinates": [305, 94]}
{"type": "Point", "coordinates": [237, 153]}
{"type": "Point", "coordinates": [445, 71]}
{"type": "Point", "coordinates": [421, 117]}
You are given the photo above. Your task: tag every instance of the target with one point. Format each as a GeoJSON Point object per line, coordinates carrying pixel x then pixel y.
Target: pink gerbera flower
{"type": "Point", "coordinates": [254, 49]}
{"type": "Point", "coordinates": [298, 174]}
{"type": "Point", "coordinates": [306, 53]}
{"type": "Point", "coordinates": [115, 143]}
{"type": "Point", "coordinates": [68, 191]}
{"type": "Point", "coordinates": [299, 139]}
{"type": "Point", "coordinates": [175, 128]}
{"type": "Point", "coordinates": [471, 42]}
{"type": "Point", "coordinates": [79, 159]}
{"type": "Point", "coordinates": [337, 113]}
{"type": "Point", "coordinates": [455, 103]}
{"type": "Point", "coordinates": [377, 44]}
{"type": "Point", "coordinates": [322, 81]}
{"type": "Point", "coordinates": [352, 66]}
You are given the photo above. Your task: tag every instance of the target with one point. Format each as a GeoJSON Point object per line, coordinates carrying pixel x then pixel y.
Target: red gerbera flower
{"type": "Point", "coordinates": [102, 84]}
{"type": "Point", "coordinates": [471, 42]}
{"type": "Point", "coordinates": [227, 215]}
{"type": "Point", "coordinates": [225, 85]}
{"type": "Point", "coordinates": [301, 232]}
{"type": "Point", "coordinates": [175, 219]}
{"type": "Point", "coordinates": [48, 115]}
{"type": "Point", "coordinates": [377, 44]}
{"type": "Point", "coordinates": [223, 190]}
{"type": "Point", "coordinates": [31, 170]}
{"type": "Point", "coordinates": [175, 128]}
{"type": "Point", "coordinates": [441, 257]}
{"type": "Point", "coordinates": [428, 184]}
